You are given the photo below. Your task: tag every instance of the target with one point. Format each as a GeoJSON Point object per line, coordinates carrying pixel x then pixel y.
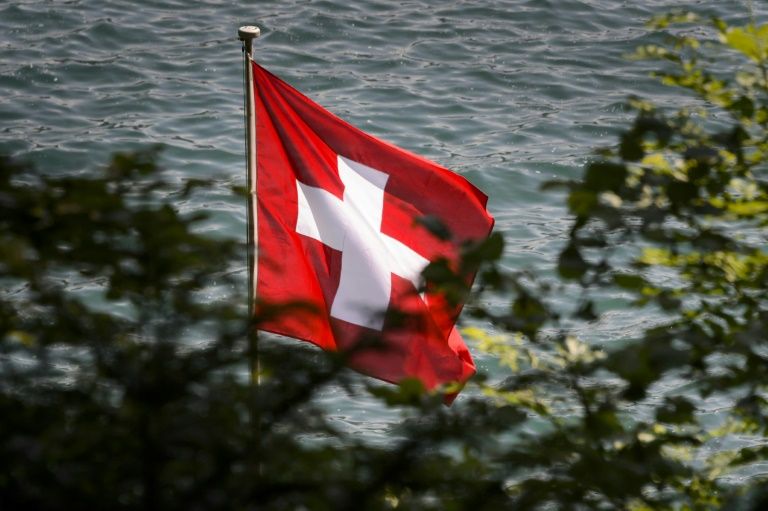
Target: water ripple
{"type": "Point", "coordinates": [508, 93]}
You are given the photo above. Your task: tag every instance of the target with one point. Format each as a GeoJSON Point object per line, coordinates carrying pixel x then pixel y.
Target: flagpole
{"type": "Point", "coordinates": [247, 34]}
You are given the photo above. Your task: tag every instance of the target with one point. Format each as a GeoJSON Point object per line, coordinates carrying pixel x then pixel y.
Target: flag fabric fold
{"type": "Point", "coordinates": [337, 227]}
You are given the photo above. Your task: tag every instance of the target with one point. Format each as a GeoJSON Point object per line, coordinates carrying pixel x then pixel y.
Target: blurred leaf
{"type": "Point", "coordinates": [409, 391]}
{"type": "Point", "coordinates": [570, 263]}
{"type": "Point", "coordinates": [676, 410]}
{"type": "Point", "coordinates": [434, 225]}
{"type": "Point", "coordinates": [527, 315]}
{"type": "Point", "coordinates": [602, 176]}
{"type": "Point", "coordinates": [586, 311]}
{"type": "Point", "coordinates": [629, 281]}
{"type": "Point", "coordinates": [750, 40]}
{"type": "Point", "coordinates": [582, 202]}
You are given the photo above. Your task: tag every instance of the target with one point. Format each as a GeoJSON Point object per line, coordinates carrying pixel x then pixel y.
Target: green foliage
{"type": "Point", "coordinates": [124, 385]}
{"type": "Point", "coordinates": [124, 375]}
{"type": "Point", "coordinates": [672, 217]}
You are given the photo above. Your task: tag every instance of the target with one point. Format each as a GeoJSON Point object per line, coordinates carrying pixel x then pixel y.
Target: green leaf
{"type": "Point", "coordinates": [571, 265]}
{"type": "Point", "coordinates": [493, 247]}
{"type": "Point", "coordinates": [750, 40]}
{"type": "Point", "coordinates": [605, 176]}
{"type": "Point", "coordinates": [581, 202]}
{"type": "Point", "coordinates": [676, 410]}
{"type": "Point", "coordinates": [631, 146]}
{"type": "Point", "coordinates": [681, 193]}
{"type": "Point", "coordinates": [435, 226]}
{"type": "Point", "coordinates": [528, 314]}
{"type": "Point", "coordinates": [748, 208]}
{"type": "Point", "coordinates": [630, 282]}
{"type": "Point", "coordinates": [409, 391]}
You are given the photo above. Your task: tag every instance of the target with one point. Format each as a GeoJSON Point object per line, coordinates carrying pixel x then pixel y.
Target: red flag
{"type": "Point", "coordinates": [337, 213]}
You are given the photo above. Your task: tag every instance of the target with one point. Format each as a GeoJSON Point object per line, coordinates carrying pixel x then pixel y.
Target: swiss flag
{"type": "Point", "coordinates": [337, 226]}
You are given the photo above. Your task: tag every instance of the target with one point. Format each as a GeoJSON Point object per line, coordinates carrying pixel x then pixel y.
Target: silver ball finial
{"type": "Point", "coordinates": [248, 32]}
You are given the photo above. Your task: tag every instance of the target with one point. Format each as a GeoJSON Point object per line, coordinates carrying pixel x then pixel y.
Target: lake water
{"type": "Point", "coordinates": [507, 93]}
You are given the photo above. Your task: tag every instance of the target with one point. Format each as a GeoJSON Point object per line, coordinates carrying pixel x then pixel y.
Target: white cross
{"type": "Point", "coordinates": [353, 226]}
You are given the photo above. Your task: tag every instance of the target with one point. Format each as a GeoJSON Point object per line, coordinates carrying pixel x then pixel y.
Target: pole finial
{"type": "Point", "coordinates": [248, 32]}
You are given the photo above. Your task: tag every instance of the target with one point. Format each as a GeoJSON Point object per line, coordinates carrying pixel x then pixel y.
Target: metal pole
{"type": "Point", "coordinates": [247, 34]}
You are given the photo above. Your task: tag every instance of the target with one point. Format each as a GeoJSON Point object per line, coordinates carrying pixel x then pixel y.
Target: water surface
{"type": "Point", "coordinates": [507, 93]}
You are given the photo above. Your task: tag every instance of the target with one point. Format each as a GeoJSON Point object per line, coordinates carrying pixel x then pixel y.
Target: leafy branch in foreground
{"type": "Point", "coordinates": [123, 380]}
{"type": "Point", "coordinates": [671, 220]}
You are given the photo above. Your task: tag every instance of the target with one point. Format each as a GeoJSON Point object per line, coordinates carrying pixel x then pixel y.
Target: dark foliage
{"type": "Point", "coordinates": [124, 378]}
